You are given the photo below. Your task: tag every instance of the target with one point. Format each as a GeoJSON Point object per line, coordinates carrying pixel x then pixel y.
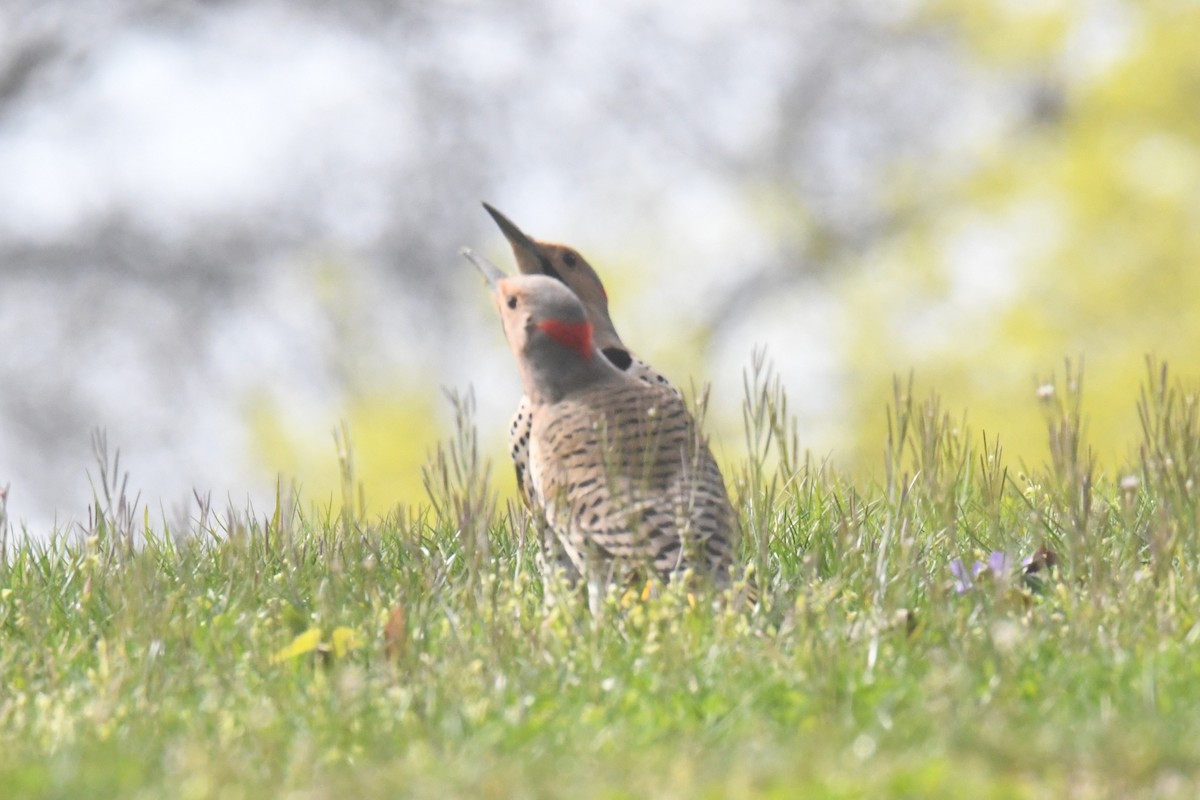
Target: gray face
{"type": "Point", "coordinates": [557, 302]}
{"type": "Point", "coordinates": [550, 336]}
{"type": "Point", "coordinates": [528, 300]}
{"type": "Point", "coordinates": [564, 264]}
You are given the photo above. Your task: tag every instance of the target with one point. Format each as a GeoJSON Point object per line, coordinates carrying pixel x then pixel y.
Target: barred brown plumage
{"type": "Point", "coordinates": [623, 476]}
{"type": "Point", "coordinates": [617, 466]}
{"type": "Point", "coordinates": [564, 264]}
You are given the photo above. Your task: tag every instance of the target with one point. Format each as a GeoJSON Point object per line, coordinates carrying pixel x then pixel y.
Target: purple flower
{"type": "Point", "coordinates": [998, 562]}
{"type": "Point", "coordinates": [997, 565]}
{"type": "Point", "coordinates": [962, 579]}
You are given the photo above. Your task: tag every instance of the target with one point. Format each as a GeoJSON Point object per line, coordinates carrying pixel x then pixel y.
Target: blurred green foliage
{"type": "Point", "coordinates": [393, 433]}
{"type": "Point", "coordinates": [1073, 234]}
{"type": "Point", "coordinates": [308, 654]}
{"type": "Point", "coordinates": [1070, 231]}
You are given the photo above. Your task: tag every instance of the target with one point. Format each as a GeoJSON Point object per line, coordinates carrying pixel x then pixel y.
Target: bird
{"type": "Point", "coordinates": [567, 265]}
{"type": "Point", "coordinates": [623, 475]}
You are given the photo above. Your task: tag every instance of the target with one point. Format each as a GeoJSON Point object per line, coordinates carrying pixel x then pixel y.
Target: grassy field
{"type": "Point", "coordinates": [960, 627]}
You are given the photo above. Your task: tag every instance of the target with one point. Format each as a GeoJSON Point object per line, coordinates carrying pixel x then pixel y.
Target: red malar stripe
{"type": "Point", "coordinates": [575, 335]}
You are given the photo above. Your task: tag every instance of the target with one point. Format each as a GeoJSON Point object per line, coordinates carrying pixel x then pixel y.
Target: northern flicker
{"type": "Point", "coordinates": [564, 264]}
{"type": "Point", "coordinates": [618, 466]}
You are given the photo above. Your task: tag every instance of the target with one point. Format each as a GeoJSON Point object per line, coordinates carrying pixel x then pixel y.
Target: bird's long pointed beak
{"type": "Point", "coordinates": [489, 270]}
{"type": "Point", "coordinates": [522, 245]}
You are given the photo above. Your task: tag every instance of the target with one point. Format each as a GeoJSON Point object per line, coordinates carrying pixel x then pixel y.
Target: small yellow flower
{"type": "Point", "coordinates": [306, 642]}
{"type": "Point", "coordinates": [344, 640]}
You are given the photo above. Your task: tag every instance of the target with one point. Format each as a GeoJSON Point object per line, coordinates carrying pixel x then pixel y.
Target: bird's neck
{"type": "Point", "coordinates": [554, 376]}
{"type": "Point", "coordinates": [605, 332]}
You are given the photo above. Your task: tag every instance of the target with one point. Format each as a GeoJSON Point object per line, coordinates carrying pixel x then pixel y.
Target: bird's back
{"type": "Point", "coordinates": [520, 429]}
{"type": "Point", "coordinates": [624, 476]}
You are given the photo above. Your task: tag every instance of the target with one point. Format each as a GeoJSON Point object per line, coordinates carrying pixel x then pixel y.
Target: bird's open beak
{"type": "Point", "coordinates": [531, 258]}
{"type": "Point", "coordinates": [489, 270]}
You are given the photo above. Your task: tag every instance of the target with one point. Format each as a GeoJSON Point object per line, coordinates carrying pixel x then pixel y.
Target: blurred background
{"type": "Point", "coordinates": [225, 227]}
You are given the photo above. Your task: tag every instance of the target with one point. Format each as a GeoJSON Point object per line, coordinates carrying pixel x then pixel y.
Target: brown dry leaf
{"type": "Point", "coordinates": [395, 634]}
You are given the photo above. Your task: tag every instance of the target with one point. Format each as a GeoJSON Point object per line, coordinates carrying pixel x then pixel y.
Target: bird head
{"type": "Point", "coordinates": [548, 330]}
{"type": "Point", "coordinates": [566, 265]}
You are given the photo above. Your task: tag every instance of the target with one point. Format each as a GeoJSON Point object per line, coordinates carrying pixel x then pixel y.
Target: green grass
{"type": "Point", "coordinates": [139, 659]}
